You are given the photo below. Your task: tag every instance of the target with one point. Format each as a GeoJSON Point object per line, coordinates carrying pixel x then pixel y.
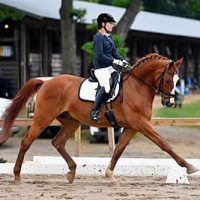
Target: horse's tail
{"type": "Point", "coordinates": [19, 101]}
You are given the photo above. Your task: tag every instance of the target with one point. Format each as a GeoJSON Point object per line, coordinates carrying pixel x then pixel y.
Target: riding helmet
{"type": "Point", "coordinates": [104, 17]}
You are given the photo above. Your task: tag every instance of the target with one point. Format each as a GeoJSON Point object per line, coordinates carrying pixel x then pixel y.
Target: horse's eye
{"type": "Point", "coordinates": [168, 81]}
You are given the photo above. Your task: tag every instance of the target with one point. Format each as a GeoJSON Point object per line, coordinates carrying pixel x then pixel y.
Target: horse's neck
{"type": "Point", "coordinates": [145, 74]}
{"type": "Point", "coordinates": [147, 71]}
{"type": "Point", "coordinates": [144, 78]}
{"type": "Point", "coordinates": [143, 87]}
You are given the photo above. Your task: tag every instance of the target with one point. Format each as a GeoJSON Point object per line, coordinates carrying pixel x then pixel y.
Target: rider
{"type": "Point", "coordinates": [105, 55]}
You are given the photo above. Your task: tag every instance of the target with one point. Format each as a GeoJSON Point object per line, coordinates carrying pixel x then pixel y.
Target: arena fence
{"type": "Point", "coordinates": [25, 122]}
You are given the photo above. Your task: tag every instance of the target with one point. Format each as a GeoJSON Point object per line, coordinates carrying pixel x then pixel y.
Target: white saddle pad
{"type": "Point", "coordinates": [87, 91]}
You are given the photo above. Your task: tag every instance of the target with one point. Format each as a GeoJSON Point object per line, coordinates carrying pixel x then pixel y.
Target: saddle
{"type": "Point", "coordinates": [89, 88]}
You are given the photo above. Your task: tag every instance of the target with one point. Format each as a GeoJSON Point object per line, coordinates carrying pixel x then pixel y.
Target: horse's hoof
{"type": "Point", "coordinates": [70, 177]}
{"type": "Point", "coordinates": [192, 169]}
{"type": "Point", "coordinates": [17, 181]}
{"type": "Point", "coordinates": [112, 179]}
{"type": "Point", "coordinates": [109, 173]}
{"type": "Point", "coordinates": [114, 183]}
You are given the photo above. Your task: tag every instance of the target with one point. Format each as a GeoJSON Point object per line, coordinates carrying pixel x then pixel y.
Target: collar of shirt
{"type": "Point", "coordinates": [108, 35]}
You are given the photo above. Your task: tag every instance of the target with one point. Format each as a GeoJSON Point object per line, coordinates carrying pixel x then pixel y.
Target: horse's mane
{"type": "Point", "coordinates": [148, 57]}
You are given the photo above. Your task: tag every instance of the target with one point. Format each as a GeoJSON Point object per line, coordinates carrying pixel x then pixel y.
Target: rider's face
{"type": "Point", "coordinates": [109, 26]}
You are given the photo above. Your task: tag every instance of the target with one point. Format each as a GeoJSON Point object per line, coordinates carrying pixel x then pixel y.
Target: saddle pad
{"type": "Point", "coordinates": [87, 91]}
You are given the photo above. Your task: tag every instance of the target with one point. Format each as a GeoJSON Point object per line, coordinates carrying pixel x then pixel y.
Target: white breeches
{"type": "Point", "coordinates": [103, 75]}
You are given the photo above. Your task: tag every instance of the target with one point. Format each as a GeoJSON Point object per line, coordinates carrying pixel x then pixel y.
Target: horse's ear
{"type": "Point", "coordinates": [178, 62]}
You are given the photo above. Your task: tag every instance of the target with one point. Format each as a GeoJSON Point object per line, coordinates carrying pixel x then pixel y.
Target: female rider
{"type": "Point", "coordinates": [105, 55]}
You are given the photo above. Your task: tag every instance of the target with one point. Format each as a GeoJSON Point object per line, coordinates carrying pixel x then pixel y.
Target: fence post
{"type": "Point", "coordinates": [78, 141]}
{"type": "Point", "coordinates": [111, 140]}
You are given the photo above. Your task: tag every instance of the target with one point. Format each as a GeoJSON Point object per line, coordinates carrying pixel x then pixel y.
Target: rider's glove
{"type": "Point", "coordinates": [117, 65]}
{"type": "Point", "coordinates": [118, 62]}
{"type": "Point", "coordinates": [125, 64]}
{"type": "Point", "coordinates": [120, 65]}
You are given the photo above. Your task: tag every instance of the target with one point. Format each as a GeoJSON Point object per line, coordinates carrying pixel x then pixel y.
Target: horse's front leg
{"type": "Point", "coordinates": [124, 139]}
{"type": "Point", "coordinates": [150, 133]}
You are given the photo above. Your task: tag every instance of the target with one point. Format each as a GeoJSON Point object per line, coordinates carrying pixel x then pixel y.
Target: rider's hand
{"type": "Point", "coordinates": [120, 65]}
{"type": "Point", "coordinates": [118, 62]}
{"type": "Point", "coordinates": [125, 64]}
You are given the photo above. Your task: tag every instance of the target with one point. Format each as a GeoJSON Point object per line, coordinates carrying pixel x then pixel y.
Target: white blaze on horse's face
{"type": "Point", "coordinates": [167, 101]}
{"type": "Point", "coordinates": [175, 80]}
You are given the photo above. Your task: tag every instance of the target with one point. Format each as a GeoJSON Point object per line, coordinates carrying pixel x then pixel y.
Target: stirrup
{"type": "Point", "coordinates": [94, 116]}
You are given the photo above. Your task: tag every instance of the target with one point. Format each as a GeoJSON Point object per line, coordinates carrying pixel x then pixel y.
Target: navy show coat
{"type": "Point", "coordinates": [104, 51]}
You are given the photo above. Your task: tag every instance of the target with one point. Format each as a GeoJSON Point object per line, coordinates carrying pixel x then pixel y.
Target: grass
{"type": "Point", "coordinates": [188, 110]}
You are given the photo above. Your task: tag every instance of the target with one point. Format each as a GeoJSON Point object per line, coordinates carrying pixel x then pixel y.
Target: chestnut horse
{"type": "Point", "coordinates": [58, 99]}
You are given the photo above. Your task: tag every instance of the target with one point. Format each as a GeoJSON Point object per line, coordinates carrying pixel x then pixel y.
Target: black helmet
{"type": "Point", "coordinates": [104, 17]}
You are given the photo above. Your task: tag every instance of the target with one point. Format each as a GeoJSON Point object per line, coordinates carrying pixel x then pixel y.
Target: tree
{"type": "Point", "coordinates": [10, 13]}
{"type": "Point", "coordinates": [127, 19]}
{"type": "Point", "coordinates": [69, 17]}
{"type": "Point", "coordinates": [182, 8]}
{"type": "Point", "coordinates": [68, 40]}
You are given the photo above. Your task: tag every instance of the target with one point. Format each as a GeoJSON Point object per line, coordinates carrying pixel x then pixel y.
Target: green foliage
{"type": "Point", "coordinates": [194, 9]}
{"type": "Point", "coordinates": [10, 13]}
{"type": "Point", "coordinates": [92, 26]}
{"type": "Point", "coordinates": [188, 110]}
{"type": "Point", "coordinates": [121, 3]}
{"type": "Point", "coordinates": [77, 14]}
{"type": "Point", "coordinates": [93, 1]}
{"type": "Point", "coordinates": [123, 51]}
{"type": "Point", "coordinates": [182, 8]}
{"type": "Point", "coordinates": [118, 3]}
{"type": "Point", "coordinates": [120, 45]}
{"type": "Point", "coordinates": [88, 48]}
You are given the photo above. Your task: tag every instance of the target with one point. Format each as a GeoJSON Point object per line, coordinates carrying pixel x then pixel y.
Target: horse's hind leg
{"type": "Point", "coordinates": [124, 139]}
{"type": "Point", "coordinates": [28, 139]}
{"type": "Point", "coordinates": [68, 127]}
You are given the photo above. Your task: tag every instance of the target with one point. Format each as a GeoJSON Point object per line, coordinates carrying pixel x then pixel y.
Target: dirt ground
{"type": "Point", "coordinates": [48, 187]}
{"type": "Point", "coordinates": [185, 141]}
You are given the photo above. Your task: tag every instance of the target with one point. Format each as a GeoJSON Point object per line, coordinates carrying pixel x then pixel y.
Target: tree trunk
{"type": "Point", "coordinates": [127, 19]}
{"type": "Point", "coordinates": [68, 37]}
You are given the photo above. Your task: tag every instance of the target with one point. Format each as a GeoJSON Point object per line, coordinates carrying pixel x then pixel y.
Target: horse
{"type": "Point", "coordinates": [57, 98]}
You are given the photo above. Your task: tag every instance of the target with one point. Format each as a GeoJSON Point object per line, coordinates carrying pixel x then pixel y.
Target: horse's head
{"type": "Point", "coordinates": [166, 81]}
{"type": "Point", "coordinates": [158, 73]}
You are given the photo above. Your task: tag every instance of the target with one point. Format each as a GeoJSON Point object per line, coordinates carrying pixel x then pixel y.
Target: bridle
{"type": "Point", "coordinates": [160, 89]}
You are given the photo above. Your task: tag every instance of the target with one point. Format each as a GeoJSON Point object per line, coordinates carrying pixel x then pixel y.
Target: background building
{"type": "Point", "coordinates": [32, 47]}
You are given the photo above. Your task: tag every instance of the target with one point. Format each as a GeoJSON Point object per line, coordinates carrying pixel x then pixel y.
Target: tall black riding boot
{"type": "Point", "coordinates": [101, 95]}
